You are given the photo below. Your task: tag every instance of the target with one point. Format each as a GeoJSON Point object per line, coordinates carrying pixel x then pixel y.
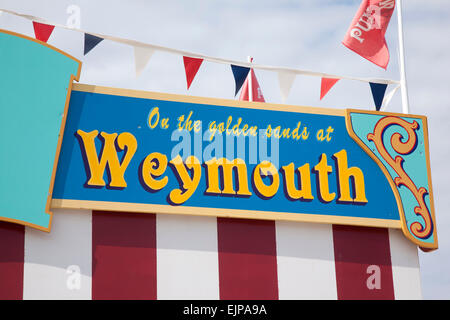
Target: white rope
{"type": "Point", "coordinates": [135, 43]}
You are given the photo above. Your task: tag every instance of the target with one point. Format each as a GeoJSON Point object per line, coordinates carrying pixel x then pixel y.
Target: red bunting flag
{"type": "Point", "coordinates": [366, 33]}
{"type": "Point", "coordinates": [257, 94]}
{"type": "Point", "coordinates": [326, 85]}
{"type": "Point", "coordinates": [191, 66]}
{"type": "Point", "coordinates": [42, 31]}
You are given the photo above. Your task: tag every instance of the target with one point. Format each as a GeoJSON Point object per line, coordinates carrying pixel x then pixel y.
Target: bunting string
{"type": "Point", "coordinates": [205, 57]}
{"type": "Point", "coordinates": [143, 52]}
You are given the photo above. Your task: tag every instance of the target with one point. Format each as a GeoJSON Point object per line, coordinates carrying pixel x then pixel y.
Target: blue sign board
{"type": "Point", "coordinates": [148, 152]}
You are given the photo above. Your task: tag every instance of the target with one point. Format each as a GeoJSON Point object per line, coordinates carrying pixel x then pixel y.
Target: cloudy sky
{"type": "Point", "coordinates": [303, 34]}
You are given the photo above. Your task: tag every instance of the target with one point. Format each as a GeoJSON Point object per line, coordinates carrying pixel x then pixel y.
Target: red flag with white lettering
{"type": "Point", "coordinates": [257, 94]}
{"type": "Point", "coordinates": [366, 33]}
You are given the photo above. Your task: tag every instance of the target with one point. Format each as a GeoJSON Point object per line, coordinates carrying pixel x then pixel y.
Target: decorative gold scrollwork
{"type": "Point", "coordinates": [404, 147]}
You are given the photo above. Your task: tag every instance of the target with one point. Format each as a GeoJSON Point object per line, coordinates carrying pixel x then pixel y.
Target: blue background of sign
{"type": "Point", "coordinates": [110, 113]}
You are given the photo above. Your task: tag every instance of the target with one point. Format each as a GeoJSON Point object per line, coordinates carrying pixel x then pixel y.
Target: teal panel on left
{"type": "Point", "coordinates": [34, 85]}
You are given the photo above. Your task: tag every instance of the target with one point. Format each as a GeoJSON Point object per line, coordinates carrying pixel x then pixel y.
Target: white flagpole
{"type": "Point", "coordinates": [403, 86]}
{"type": "Point", "coordinates": [250, 84]}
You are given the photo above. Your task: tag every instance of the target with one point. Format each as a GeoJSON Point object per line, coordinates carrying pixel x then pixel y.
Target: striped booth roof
{"type": "Point", "coordinates": [98, 255]}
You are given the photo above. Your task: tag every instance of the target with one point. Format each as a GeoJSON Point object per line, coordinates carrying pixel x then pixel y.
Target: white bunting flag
{"type": "Point", "coordinates": [285, 80]}
{"type": "Point", "coordinates": [388, 98]}
{"type": "Point", "coordinates": [141, 58]}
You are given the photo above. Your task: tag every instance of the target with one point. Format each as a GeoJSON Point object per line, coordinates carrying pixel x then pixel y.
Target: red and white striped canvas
{"type": "Point", "coordinates": [103, 255]}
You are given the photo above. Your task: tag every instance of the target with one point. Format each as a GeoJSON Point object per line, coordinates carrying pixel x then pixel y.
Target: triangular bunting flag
{"type": "Point", "coordinates": [257, 94]}
{"type": "Point", "coordinates": [239, 73]}
{"type": "Point", "coordinates": [325, 86]}
{"type": "Point", "coordinates": [378, 91]}
{"type": "Point", "coordinates": [141, 58]}
{"type": "Point", "coordinates": [90, 42]}
{"type": "Point", "coordinates": [285, 80]}
{"type": "Point", "coordinates": [388, 97]}
{"type": "Point", "coordinates": [42, 31]}
{"type": "Point", "coordinates": [191, 66]}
